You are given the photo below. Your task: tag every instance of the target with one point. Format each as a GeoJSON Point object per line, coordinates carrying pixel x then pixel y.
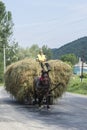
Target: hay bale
{"type": "Point", "coordinates": [19, 77]}
{"type": "Point", "coordinates": [60, 73]}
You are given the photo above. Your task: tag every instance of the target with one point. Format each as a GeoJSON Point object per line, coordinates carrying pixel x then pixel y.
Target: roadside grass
{"type": "Point", "coordinates": [76, 86]}
{"type": "Point", "coordinates": [1, 84]}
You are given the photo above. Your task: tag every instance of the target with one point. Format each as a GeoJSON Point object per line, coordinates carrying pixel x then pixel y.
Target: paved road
{"type": "Point", "coordinates": [68, 113]}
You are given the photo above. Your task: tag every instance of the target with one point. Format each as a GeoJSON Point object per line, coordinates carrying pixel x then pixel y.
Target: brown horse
{"type": "Point", "coordinates": [41, 89]}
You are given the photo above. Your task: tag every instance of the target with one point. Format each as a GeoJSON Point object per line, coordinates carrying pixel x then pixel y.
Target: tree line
{"type": "Point", "coordinates": [13, 52]}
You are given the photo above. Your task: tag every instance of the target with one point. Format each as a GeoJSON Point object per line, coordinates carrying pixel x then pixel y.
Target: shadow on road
{"type": "Point", "coordinates": [67, 114]}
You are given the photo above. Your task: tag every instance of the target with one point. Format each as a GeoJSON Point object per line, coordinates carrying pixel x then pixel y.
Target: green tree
{"type": "Point", "coordinates": [47, 51]}
{"type": "Point", "coordinates": [27, 52]}
{"type": "Point", "coordinates": [22, 53]}
{"type": "Point", "coordinates": [32, 52]}
{"type": "Point", "coordinates": [34, 49]}
{"type": "Point", "coordinates": [1, 67]}
{"type": "Point", "coordinates": [71, 58]}
{"type": "Point", "coordinates": [12, 53]}
{"type": "Point", "coordinates": [6, 25]}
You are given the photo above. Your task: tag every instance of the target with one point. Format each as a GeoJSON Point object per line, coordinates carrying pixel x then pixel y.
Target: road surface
{"type": "Point", "coordinates": [68, 113]}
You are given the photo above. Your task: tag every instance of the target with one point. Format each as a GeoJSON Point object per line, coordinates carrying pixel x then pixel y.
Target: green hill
{"type": "Point", "coordinates": [77, 47]}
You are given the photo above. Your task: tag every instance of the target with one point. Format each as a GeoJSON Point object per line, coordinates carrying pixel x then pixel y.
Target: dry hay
{"type": "Point", "coordinates": [60, 73]}
{"type": "Point", "coordinates": [19, 77]}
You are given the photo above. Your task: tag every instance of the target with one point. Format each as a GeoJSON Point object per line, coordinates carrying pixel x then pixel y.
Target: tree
{"type": "Point", "coordinates": [28, 52]}
{"type": "Point", "coordinates": [69, 58]}
{"type": "Point", "coordinates": [32, 52]}
{"type": "Point", "coordinates": [34, 49]}
{"type": "Point", "coordinates": [1, 67]}
{"type": "Point", "coordinates": [6, 25]}
{"type": "Point", "coordinates": [12, 53]}
{"type": "Point", "coordinates": [47, 51]}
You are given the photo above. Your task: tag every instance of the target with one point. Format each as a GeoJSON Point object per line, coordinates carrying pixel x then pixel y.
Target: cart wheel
{"type": "Point", "coordinates": [51, 100]}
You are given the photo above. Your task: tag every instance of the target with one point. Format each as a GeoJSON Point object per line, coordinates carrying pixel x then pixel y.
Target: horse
{"type": "Point", "coordinates": [41, 89]}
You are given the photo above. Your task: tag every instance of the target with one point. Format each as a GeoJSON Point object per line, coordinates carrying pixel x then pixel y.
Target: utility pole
{"type": "Point", "coordinates": [82, 59]}
{"type": "Point", "coordinates": [4, 58]}
{"type": "Point", "coordinates": [82, 70]}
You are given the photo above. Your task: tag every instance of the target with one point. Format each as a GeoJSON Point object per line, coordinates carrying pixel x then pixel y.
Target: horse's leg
{"type": "Point", "coordinates": [35, 97]}
{"type": "Point", "coordinates": [48, 100]}
{"type": "Point", "coordinates": [40, 100]}
{"type": "Point", "coordinates": [48, 103]}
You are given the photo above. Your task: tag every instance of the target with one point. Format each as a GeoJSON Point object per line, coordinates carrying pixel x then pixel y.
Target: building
{"type": "Point", "coordinates": [80, 67]}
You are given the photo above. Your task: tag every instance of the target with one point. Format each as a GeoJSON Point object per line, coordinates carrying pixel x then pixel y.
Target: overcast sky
{"type": "Point", "coordinates": [48, 22]}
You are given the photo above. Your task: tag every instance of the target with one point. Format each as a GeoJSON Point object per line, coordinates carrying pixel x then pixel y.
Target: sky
{"type": "Point", "coordinates": [48, 22]}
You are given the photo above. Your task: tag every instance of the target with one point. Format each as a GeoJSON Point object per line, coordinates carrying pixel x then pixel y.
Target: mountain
{"type": "Point", "coordinates": [77, 47]}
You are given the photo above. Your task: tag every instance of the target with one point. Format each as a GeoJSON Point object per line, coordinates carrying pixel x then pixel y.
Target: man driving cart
{"type": "Point", "coordinates": [41, 58]}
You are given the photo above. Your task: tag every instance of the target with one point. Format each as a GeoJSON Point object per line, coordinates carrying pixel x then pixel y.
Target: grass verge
{"type": "Point", "coordinates": [1, 84]}
{"type": "Point", "coordinates": [76, 86]}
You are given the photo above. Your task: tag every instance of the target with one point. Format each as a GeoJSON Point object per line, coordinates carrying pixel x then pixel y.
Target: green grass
{"type": "Point", "coordinates": [1, 84]}
{"type": "Point", "coordinates": [76, 86]}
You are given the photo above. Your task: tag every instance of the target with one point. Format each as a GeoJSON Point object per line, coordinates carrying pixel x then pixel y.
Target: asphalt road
{"type": "Point", "coordinates": [68, 113]}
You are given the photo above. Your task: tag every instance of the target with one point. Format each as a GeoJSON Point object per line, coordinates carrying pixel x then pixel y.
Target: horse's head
{"type": "Point", "coordinates": [45, 79]}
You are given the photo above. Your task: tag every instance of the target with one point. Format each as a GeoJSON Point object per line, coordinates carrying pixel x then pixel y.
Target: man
{"type": "Point", "coordinates": [42, 60]}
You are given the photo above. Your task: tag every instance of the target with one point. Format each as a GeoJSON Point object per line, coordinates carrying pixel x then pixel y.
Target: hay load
{"type": "Point", "coordinates": [19, 77]}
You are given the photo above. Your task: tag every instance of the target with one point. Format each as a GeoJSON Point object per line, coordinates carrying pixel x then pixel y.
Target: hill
{"type": "Point", "coordinates": [77, 47]}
